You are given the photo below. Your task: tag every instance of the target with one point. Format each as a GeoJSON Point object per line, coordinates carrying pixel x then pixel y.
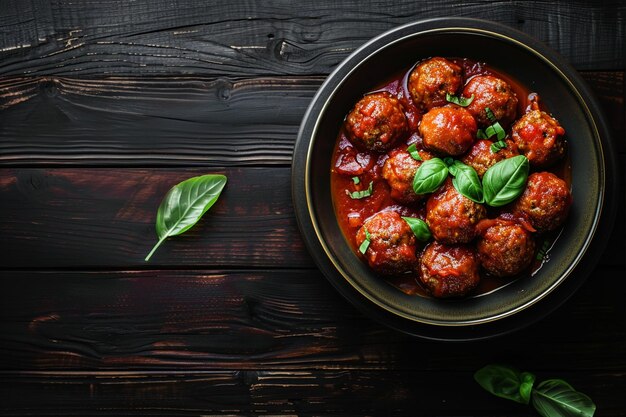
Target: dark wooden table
{"type": "Point", "coordinates": [105, 105]}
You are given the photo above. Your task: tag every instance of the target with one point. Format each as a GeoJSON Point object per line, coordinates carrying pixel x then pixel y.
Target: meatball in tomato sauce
{"type": "Point", "coordinates": [539, 137]}
{"type": "Point", "coordinates": [399, 170]}
{"type": "Point", "coordinates": [430, 81]}
{"type": "Point", "coordinates": [493, 93]}
{"type": "Point", "coordinates": [449, 271]}
{"type": "Point", "coordinates": [545, 202]}
{"type": "Point", "coordinates": [481, 157]}
{"type": "Point", "coordinates": [505, 248]}
{"type": "Point", "coordinates": [392, 248]}
{"type": "Point", "coordinates": [376, 122]}
{"type": "Point", "coordinates": [448, 130]}
{"type": "Point", "coordinates": [451, 216]}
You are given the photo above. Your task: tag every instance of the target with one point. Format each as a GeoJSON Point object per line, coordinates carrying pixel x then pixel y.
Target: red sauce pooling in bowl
{"type": "Point", "coordinates": [355, 169]}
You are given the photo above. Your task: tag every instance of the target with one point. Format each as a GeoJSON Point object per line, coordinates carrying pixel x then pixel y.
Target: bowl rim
{"type": "Point", "coordinates": [301, 174]}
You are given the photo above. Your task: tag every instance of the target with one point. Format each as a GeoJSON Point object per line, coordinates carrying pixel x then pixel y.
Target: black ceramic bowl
{"type": "Point", "coordinates": [569, 100]}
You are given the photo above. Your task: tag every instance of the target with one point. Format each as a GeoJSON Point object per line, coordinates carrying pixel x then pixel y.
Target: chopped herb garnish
{"type": "Point", "coordinates": [490, 115]}
{"type": "Point", "coordinates": [412, 150]}
{"type": "Point", "coordinates": [497, 146]}
{"type": "Point", "coordinates": [356, 180]}
{"type": "Point", "coordinates": [459, 100]}
{"type": "Point", "coordinates": [366, 243]}
{"type": "Point", "coordinates": [494, 130]}
{"type": "Point", "coordinates": [356, 195]}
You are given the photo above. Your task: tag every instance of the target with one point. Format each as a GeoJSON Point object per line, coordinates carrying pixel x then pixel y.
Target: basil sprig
{"type": "Point", "coordinates": [504, 181]}
{"type": "Point", "coordinates": [551, 398]}
{"type": "Point", "coordinates": [459, 100]}
{"type": "Point", "coordinates": [419, 227]}
{"type": "Point", "coordinates": [184, 204]}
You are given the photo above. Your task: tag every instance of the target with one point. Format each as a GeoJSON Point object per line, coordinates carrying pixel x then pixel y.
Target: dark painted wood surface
{"type": "Point", "coordinates": [105, 105]}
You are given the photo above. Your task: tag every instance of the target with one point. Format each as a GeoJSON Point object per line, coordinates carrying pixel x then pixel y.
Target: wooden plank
{"type": "Point", "coordinates": [59, 218]}
{"type": "Point", "coordinates": [181, 320]}
{"type": "Point", "coordinates": [179, 121]}
{"type": "Point", "coordinates": [105, 218]}
{"type": "Point", "coordinates": [139, 122]}
{"type": "Point", "coordinates": [293, 392]}
{"type": "Point", "coordinates": [244, 38]}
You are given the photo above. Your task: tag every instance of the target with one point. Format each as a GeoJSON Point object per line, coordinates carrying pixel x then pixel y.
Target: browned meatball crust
{"type": "Point", "coordinates": [449, 271]}
{"type": "Point", "coordinates": [392, 248]}
{"type": "Point", "coordinates": [448, 130]}
{"type": "Point", "coordinates": [539, 137]}
{"type": "Point", "coordinates": [451, 216]}
{"type": "Point", "coordinates": [505, 248]}
{"type": "Point", "coordinates": [430, 80]}
{"type": "Point", "coordinates": [545, 202]}
{"type": "Point", "coordinates": [481, 158]}
{"type": "Point", "coordinates": [376, 122]}
{"type": "Point", "coordinates": [399, 170]}
{"type": "Point", "coordinates": [494, 93]}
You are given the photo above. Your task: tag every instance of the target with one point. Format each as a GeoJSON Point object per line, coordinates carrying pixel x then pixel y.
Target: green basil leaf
{"type": "Point", "coordinates": [557, 398]}
{"type": "Point", "coordinates": [366, 243]}
{"type": "Point", "coordinates": [466, 181]}
{"type": "Point", "coordinates": [419, 227]}
{"type": "Point", "coordinates": [459, 100]}
{"type": "Point", "coordinates": [412, 150]}
{"type": "Point", "coordinates": [356, 180]}
{"type": "Point", "coordinates": [526, 386]}
{"type": "Point", "coordinates": [505, 180]}
{"type": "Point", "coordinates": [429, 176]}
{"type": "Point", "coordinates": [184, 204]}
{"type": "Point", "coordinates": [356, 195]}
{"type": "Point", "coordinates": [502, 381]}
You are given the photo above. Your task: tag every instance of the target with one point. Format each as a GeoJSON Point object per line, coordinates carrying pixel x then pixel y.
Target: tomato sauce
{"type": "Point", "coordinates": [353, 170]}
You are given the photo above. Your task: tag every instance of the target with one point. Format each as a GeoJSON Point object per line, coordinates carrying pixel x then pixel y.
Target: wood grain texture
{"type": "Point", "coordinates": [282, 393]}
{"type": "Point", "coordinates": [180, 121]}
{"type": "Point", "coordinates": [106, 217]}
{"type": "Point", "coordinates": [90, 218]}
{"type": "Point", "coordinates": [106, 105]}
{"type": "Point", "coordinates": [268, 37]}
{"type": "Point", "coordinates": [187, 321]}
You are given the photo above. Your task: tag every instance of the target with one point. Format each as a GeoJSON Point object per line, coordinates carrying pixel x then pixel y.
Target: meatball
{"type": "Point", "coordinates": [481, 158]}
{"type": "Point", "coordinates": [399, 170]}
{"type": "Point", "coordinates": [448, 130]}
{"type": "Point", "coordinates": [545, 202]}
{"type": "Point", "coordinates": [449, 271]}
{"type": "Point", "coordinates": [392, 245]}
{"type": "Point", "coordinates": [451, 216]}
{"type": "Point", "coordinates": [492, 92]}
{"type": "Point", "coordinates": [539, 137]}
{"type": "Point", "coordinates": [376, 122]}
{"type": "Point", "coordinates": [431, 80]}
{"type": "Point", "coordinates": [505, 248]}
